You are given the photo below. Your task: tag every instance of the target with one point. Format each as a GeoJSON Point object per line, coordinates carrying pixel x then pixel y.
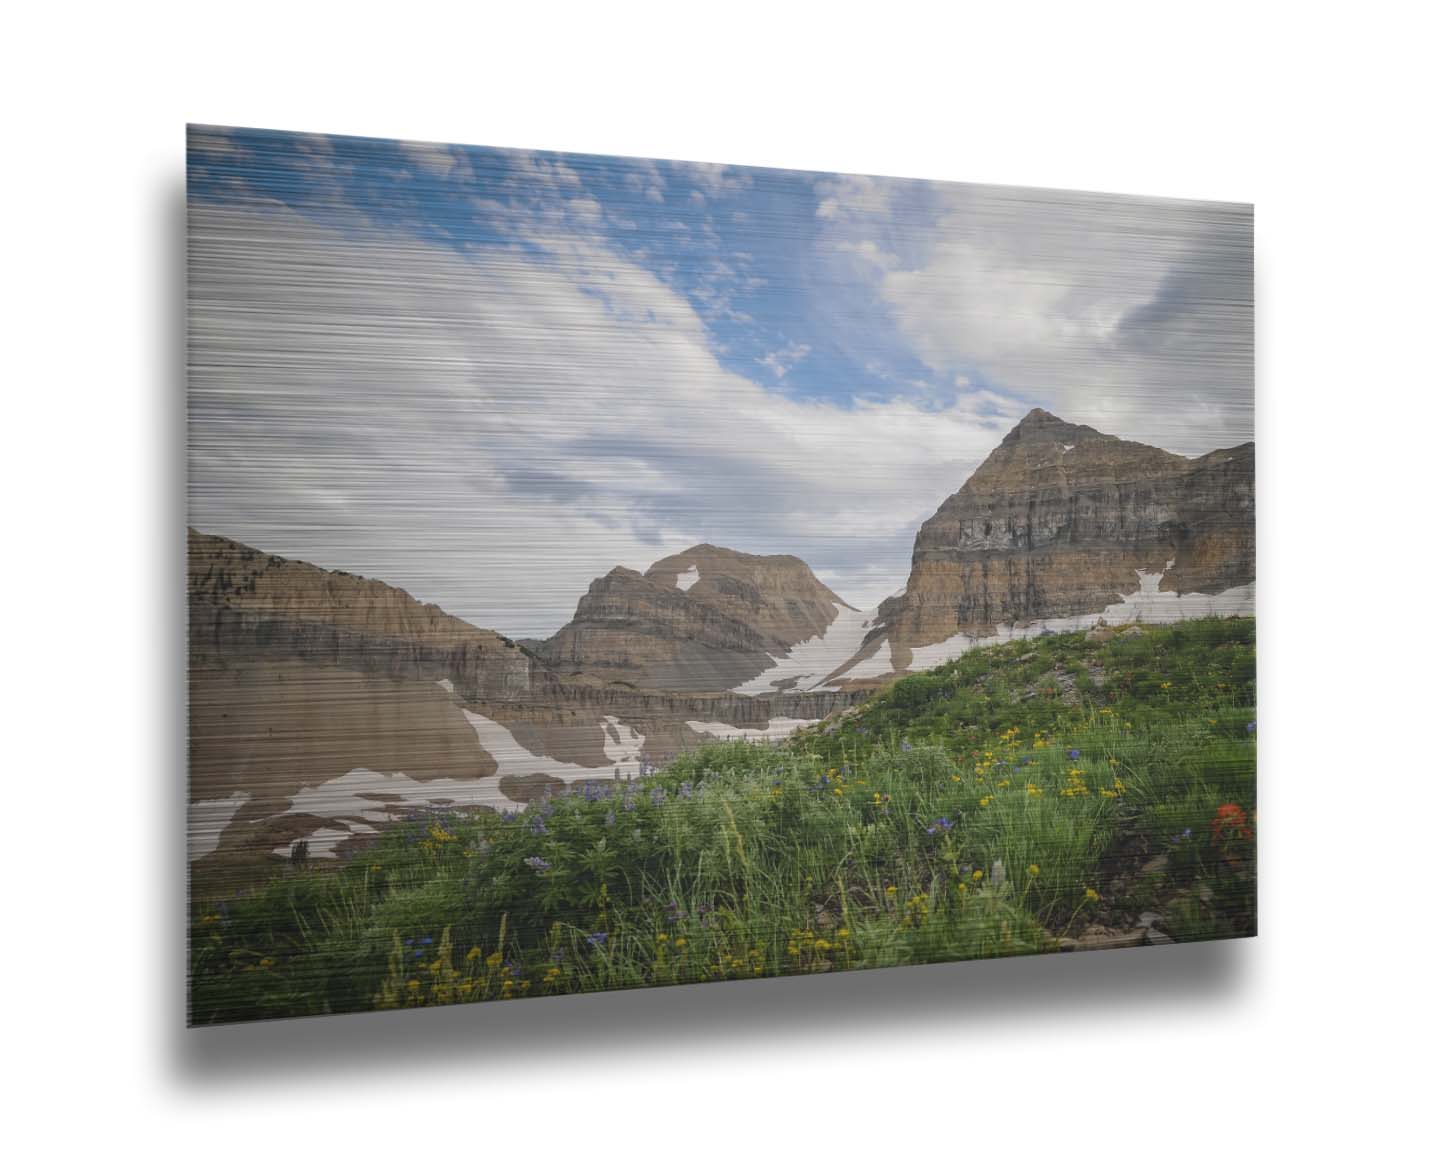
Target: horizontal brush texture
{"type": "Point", "coordinates": [606, 573]}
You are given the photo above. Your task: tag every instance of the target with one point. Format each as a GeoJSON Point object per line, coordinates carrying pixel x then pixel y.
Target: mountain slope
{"type": "Point", "coordinates": [1057, 523]}
{"type": "Point", "coordinates": [703, 620]}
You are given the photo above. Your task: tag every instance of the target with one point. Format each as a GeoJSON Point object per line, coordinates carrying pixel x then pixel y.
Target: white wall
{"type": "Point", "coordinates": [1318, 1032]}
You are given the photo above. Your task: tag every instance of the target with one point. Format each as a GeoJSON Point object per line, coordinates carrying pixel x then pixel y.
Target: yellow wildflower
{"type": "Point", "coordinates": [977, 875]}
{"type": "Point", "coordinates": [1034, 870]}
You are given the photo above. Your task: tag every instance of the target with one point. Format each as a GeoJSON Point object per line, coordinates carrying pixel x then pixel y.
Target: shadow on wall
{"type": "Point", "coordinates": [1098, 987]}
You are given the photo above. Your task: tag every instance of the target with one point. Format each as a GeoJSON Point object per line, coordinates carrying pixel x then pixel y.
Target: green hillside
{"type": "Point", "coordinates": [1043, 795]}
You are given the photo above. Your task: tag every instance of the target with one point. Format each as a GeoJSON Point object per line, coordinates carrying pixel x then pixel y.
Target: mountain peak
{"type": "Point", "coordinates": [1039, 424]}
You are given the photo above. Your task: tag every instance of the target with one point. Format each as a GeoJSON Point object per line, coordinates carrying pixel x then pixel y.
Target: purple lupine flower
{"type": "Point", "coordinates": [629, 804]}
{"type": "Point", "coordinates": [610, 818]}
{"type": "Point", "coordinates": [657, 796]}
{"type": "Point", "coordinates": [686, 791]}
{"type": "Point", "coordinates": [539, 863]}
{"type": "Point", "coordinates": [537, 826]}
{"type": "Point", "coordinates": [905, 745]}
{"type": "Point", "coordinates": [510, 816]}
{"type": "Point", "coordinates": [1074, 753]}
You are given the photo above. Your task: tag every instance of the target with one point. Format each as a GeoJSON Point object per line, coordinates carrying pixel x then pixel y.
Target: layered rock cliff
{"type": "Point", "coordinates": [1056, 522]}
{"type": "Point", "coordinates": [703, 620]}
{"type": "Point", "coordinates": [323, 704]}
{"type": "Point", "coordinates": [244, 599]}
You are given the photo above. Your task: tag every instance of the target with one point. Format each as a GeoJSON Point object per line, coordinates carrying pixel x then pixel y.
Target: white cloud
{"type": "Point", "coordinates": [493, 430]}
{"type": "Point", "coordinates": [438, 160]}
{"type": "Point", "coordinates": [1132, 315]}
{"type": "Point", "coordinates": [783, 359]}
{"type": "Point", "coordinates": [717, 180]}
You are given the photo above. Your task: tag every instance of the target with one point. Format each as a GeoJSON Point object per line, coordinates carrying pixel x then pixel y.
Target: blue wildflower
{"type": "Point", "coordinates": [1250, 727]}
{"type": "Point", "coordinates": [686, 791]}
{"type": "Point", "coordinates": [539, 863]}
{"type": "Point", "coordinates": [1074, 753]}
{"type": "Point", "coordinates": [905, 745]}
{"type": "Point", "coordinates": [537, 826]}
{"type": "Point", "coordinates": [427, 939]}
{"type": "Point", "coordinates": [657, 796]}
{"type": "Point", "coordinates": [597, 938]}
{"type": "Point", "coordinates": [610, 818]}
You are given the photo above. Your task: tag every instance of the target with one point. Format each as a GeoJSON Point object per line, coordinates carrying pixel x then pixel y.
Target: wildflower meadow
{"type": "Point", "coordinates": [1048, 795]}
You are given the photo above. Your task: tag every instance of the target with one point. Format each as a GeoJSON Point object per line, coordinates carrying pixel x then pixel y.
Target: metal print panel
{"type": "Point", "coordinates": [608, 573]}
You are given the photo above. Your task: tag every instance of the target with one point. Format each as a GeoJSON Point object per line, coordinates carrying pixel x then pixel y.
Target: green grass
{"type": "Point", "coordinates": [1026, 794]}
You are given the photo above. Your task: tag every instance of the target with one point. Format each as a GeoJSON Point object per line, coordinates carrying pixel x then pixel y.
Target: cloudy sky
{"type": "Point", "coordinates": [490, 376]}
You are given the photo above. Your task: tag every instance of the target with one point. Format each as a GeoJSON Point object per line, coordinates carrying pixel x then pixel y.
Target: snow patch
{"type": "Point", "coordinates": [623, 744]}
{"type": "Point", "coordinates": [1147, 606]}
{"type": "Point", "coordinates": [686, 580]}
{"type": "Point", "coordinates": [1066, 447]}
{"type": "Point", "coordinates": [209, 819]}
{"type": "Point", "coordinates": [881, 662]}
{"type": "Point", "coordinates": [447, 685]}
{"type": "Point", "coordinates": [1152, 606]}
{"type": "Point", "coordinates": [811, 662]}
{"type": "Point", "coordinates": [780, 727]}
{"type": "Point", "coordinates": [515, 760]}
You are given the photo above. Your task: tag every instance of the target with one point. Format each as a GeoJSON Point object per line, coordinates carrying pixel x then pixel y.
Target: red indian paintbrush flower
{"type": "Point", "coordinates": [1229, 822]}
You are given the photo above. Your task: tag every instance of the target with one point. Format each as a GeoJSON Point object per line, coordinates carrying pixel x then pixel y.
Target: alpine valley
{"type": "Point", "coordinates": [325, 706]}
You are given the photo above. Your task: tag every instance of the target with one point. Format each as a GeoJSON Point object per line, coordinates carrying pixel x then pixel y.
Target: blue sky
{"type": "Point", "coordinates": [744, 246]}
{"type": "Point", "coordinates": [490, 375]}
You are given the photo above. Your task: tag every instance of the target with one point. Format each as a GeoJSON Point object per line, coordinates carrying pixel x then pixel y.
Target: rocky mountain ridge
{"type": "Point", "coordinates": [1058, 520]}
{"type": "Point", "coordinates": [702, 620]}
